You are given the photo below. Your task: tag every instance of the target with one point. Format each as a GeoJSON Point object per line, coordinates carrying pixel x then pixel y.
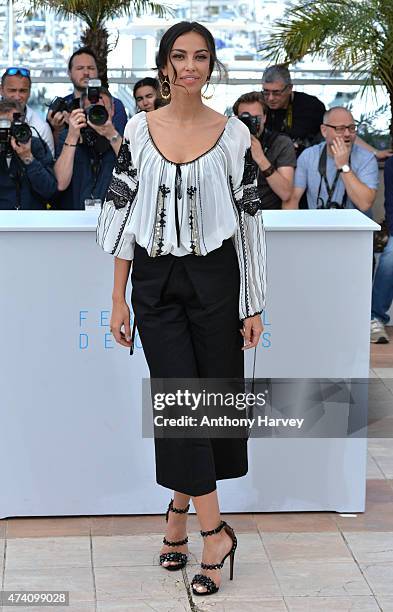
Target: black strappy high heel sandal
{"type": "Point", "coordinates": [174, 557]}
{"type": "Point", "coordinates": [205, 581]}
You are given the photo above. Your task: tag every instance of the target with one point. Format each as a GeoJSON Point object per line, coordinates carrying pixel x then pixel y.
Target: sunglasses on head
{"type": "Point", "coordinates": [25, 72]}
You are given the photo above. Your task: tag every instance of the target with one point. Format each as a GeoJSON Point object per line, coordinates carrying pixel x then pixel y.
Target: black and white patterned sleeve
{"type": "Point", "coordinates": [249, 238]}
{"type": "Point", "coordinates": [119, 205]}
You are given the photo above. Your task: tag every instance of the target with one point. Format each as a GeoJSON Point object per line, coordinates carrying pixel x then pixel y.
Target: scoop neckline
{"type": "Point", "coordinates": [192, 160]}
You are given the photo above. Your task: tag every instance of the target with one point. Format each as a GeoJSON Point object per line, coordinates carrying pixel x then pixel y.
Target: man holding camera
{"type": "Point", "coordinates": [82, 67]}
{"type": "Point", "coordinates": [26, 176]}
{"type": "Point", "coordinates": [296, 113]}
{"type": "Point", "coordinates": [272, 153]}
{"type": "Point", "coordinates": [336, 173]}
{"type": "Point", "coordinates": [89, 150]}
{"type": "Point", "coordinates": [16, 85]}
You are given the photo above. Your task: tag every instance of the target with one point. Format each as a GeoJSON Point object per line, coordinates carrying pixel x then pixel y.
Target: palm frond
{"type": "Point", "coordinates": [352, 36]}
{"type": "Point", "coordinates": [303, 29]}
{"type": "Point", "coordinates": [96, 12]}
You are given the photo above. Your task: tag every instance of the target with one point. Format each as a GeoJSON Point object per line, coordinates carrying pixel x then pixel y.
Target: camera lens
{"type": "Point", "coordinates": [97, 114]}
{"type": "Point", "coordinates": [21, 132]}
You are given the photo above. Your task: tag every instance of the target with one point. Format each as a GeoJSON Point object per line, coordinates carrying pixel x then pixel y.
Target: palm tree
{"type": "Point", "coordinates": [95, 13]}
{"type": "Point", "coordinates": [354, 35]}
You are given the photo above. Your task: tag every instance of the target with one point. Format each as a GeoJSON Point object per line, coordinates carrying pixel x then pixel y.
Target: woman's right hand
{"type": "Point", "coordinates": [76, 121]}
{"type": "Point", "coordinates": [120, 323]}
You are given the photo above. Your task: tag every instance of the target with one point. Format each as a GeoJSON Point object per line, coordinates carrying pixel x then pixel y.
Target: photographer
{"type": "Point", "coordinates": [294, 113]}
{"type": "Point", "coordinates": [88, 153]}
{"type": "Point", "coordinates": [273, 153]}
{"type": "Point", "coordinates": [16, 85]}
{"type": "Point", "coordinates": [82, 67]}
{"type": "Point", "coordinates": [26, 177]}
{"type": "Point", "coordinates": [336, 173]}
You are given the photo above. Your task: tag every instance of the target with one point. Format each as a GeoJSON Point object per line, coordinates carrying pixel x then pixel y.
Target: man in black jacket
{"type": "Point", "coordinates": [26, 168]}
{"type": "Point", "coordinates": [296, 113]}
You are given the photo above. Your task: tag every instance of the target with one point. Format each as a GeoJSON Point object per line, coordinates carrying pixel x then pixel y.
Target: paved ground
{"type": "Point", "coordinates": [296, 562]}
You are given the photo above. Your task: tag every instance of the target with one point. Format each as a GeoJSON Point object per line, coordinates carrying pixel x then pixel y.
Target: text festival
{"type": "Point", "coordinates": [94, 331]}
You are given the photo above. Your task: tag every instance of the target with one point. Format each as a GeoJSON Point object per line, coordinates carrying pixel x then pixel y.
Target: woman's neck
{"type": "Point", "coordinates": [184, 108]}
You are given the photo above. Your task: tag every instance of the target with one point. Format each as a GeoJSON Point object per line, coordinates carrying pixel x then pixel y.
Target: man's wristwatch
{"type": "Point", "coordinates": [114, 138]}
{"type": "Point", "coordinates": [345, 168]}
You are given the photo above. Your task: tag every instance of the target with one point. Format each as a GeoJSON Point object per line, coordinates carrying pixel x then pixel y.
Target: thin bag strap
{"type": "Point", "coordinates": [133, 336]}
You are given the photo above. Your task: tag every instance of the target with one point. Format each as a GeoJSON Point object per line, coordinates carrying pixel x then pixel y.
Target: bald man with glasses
{"type": "Point", "coordinates": [336, 173]}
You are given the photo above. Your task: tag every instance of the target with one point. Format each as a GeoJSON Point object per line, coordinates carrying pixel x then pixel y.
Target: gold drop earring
{"type": "Point", "coordinates": [204, 96]}
{"type": "Point", "coordinates": [165, 89]}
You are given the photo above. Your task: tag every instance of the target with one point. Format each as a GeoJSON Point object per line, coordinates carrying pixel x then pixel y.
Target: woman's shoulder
{"type": "Point", "coordinates": [137, 121]}
{"type": "Point", "coordinates": [237, 136]}
{"type": "Point", "coordinates": [238, 128]}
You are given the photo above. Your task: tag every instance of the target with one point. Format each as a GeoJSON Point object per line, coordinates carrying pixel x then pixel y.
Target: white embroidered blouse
{"type": "Point", "coordinates": [188, 208]}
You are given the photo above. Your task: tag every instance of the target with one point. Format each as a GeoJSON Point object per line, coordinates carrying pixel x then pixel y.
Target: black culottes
{"type": "Point", "coordinates": [187, 313]}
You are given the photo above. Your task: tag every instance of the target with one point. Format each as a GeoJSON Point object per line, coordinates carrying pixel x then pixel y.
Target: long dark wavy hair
{"type": "Point", "coordinates": [171, 35]}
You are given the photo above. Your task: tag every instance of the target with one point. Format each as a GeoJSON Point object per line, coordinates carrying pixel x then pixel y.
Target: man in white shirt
{"type": "Point", "coordinates": [16, 85]}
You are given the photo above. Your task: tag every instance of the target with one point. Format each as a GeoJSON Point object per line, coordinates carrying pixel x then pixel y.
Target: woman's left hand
{"type": "Point", "coordinates": [251, 332]}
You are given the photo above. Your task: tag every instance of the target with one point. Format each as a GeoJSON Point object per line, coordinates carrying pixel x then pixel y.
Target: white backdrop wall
{"type": "Point", "coordinates": [70, 411]}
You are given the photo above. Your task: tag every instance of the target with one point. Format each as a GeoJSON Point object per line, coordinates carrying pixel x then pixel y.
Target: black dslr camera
{"type": "Point", "coordinates": [16, 128]}
{"type": "Point", "coordinates": [95, 113]}
{"type": "Point", "coordinates": [59, 105]}
{"type": "Point", "coordinates": [321, 205]}
{"type": "Point", "coordinates": [252, 122]}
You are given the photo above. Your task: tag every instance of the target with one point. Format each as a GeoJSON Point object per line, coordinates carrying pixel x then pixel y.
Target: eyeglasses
{"type": "Point", "coordinates": [340, 129]}
{"type": "Point", "coordinates": [25, 72]}
{"type": "Point", "coordinates": [275, 93]}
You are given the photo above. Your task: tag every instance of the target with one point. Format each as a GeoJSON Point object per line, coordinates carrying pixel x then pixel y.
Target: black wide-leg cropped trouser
{"type": "Point", "coordinates": [186, 310]}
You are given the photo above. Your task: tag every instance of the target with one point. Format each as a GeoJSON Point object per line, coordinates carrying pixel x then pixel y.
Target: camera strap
{"type": "Point", "coordinates": [96, 166]}
{"type": "Point", "coordinates": [330, 189]}
{"type": "Point", "coordinates": [267, 138]}
{"type": "Point", "coordinates": [15, 174]}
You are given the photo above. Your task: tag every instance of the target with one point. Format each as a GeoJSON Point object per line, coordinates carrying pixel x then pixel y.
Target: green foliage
{"type": "Point", "coordinates": [377, 138]}
{"type": "Point", "coordinates": [96, 12]}
{"type": "Point", "coordinates": [352, 35]}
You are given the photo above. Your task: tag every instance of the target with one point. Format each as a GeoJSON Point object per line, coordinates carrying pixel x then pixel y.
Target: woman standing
{"type": "Point", "coordinates": [183, 207]}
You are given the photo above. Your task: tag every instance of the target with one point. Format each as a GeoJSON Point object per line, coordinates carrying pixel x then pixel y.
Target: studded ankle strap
{"type": "Point", "coordinates": [176, 510]}
{"type": "Point", "coordinates": [204, 534]}
{"type": "Point", "coordinates": [178, 543]}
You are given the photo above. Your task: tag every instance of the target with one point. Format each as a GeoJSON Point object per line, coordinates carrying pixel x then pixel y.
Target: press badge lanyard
{"type": "Point", "coordinates": [288, 121]}
{"type": "Point", "coordinates": [330, 189]}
